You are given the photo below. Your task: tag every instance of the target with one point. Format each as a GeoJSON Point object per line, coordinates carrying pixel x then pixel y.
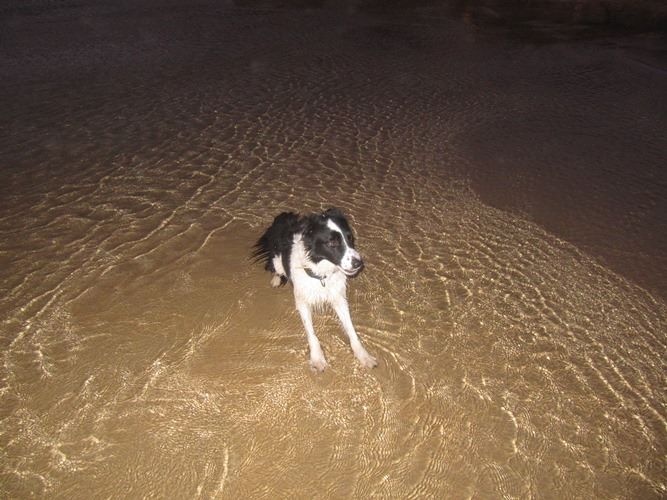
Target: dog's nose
{"type": "Point", "coordinates": [357, 263]}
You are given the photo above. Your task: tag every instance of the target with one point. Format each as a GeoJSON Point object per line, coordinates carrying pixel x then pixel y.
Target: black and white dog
{"type": "Point", "coordinates": [316, 253]}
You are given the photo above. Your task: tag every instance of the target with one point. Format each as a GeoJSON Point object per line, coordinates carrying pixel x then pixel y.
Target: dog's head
{"type": "Point", "coordinates": [328, 236]}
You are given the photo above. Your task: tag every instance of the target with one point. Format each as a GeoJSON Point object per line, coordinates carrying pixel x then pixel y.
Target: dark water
{"type": "Point", "coordinates": [507, 198]}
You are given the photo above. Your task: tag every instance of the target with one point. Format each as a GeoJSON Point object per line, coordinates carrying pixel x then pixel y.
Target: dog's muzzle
{"type": "Point", "coordinates": [357, 267]}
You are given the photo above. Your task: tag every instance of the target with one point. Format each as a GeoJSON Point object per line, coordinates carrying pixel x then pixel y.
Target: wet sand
{"type": "Point", "coordinates": [507, 198]}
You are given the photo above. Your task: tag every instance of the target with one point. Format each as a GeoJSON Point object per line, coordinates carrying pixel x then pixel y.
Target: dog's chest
{"type": "Point", "coordinates": [314, 291]}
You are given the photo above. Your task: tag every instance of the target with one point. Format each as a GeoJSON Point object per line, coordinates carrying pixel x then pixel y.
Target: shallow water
{"type": "Point", "coordinates": [505, 197]}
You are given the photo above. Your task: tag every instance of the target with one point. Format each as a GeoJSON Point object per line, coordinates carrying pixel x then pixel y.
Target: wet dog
{"type": "Point", "coordinates": [316, 253]}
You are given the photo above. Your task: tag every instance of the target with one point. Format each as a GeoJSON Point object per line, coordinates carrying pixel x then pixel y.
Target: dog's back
{"type": "Point", "coordinates": [277, 241]}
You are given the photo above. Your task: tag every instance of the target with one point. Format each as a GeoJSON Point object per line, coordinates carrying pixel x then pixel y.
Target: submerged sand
{"type": "Point", "coordinates": [507, 198]}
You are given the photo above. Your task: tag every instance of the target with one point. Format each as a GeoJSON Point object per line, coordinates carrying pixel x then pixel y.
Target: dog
{"type": "Point", "coordinates": [316, 253]}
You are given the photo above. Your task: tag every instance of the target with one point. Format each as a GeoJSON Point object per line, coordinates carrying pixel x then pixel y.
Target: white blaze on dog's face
{"type": "Point", "coordinates": [350, 260]}
{"type": "Point", "coordinates": [331, 239]}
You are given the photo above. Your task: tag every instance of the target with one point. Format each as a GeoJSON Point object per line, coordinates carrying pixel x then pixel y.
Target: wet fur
{"type": "Point", "coordinates": [316, 254]}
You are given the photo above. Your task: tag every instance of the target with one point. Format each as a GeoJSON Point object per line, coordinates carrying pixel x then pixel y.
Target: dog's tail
{"type": "Point", "coordinates": [276, 240]}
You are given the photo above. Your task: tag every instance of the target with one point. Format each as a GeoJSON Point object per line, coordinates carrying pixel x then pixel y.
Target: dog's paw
{"type": "Point", "coordinates": [318, 364]}
{"type": "Point", "coordinates": [367, 360]}
{"type": "Point", "coordinates": [276, 280]}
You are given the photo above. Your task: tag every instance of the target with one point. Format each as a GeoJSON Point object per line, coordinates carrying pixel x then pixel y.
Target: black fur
{"type": "Point", "coordinates": [277, 240]}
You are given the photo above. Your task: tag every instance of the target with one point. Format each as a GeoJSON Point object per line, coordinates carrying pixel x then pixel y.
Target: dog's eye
{"type": "Point", "coordinates": [333, 242]}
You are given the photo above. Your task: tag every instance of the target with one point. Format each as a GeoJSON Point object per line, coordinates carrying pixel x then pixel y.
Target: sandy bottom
{"type": "Point", "coordinates": [506, 197]}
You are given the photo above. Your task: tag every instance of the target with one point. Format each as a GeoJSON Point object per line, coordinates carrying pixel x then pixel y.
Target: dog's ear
{"type": "Point", "coordinates": [332, 212]}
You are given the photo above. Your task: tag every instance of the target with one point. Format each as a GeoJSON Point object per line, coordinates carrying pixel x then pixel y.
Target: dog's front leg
{"type": "Point", "coordinates": [343, 312]}
{"type": "Point", "coordinates": [317, 360]}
